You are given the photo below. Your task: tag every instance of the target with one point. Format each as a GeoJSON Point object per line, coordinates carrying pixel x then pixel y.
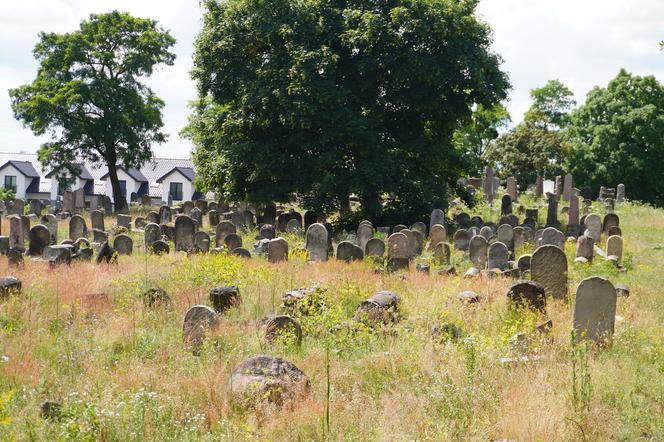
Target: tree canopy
{"type": "Point", "coordinates": [552, 104]}
{"type": "Point", "coordinates": [322, 99]}
{"type": "Point", "coordinates": [617, 137]}
{"type": "Point", "coordinates": [89, 98]}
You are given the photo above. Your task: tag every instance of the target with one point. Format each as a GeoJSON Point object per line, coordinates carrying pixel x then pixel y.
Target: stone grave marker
{"type": "Point", "coordinates": [77, 227]}
{"type": "Point", "coordinates": [202, 241]}
{"type": "Point", "coordinates": [375, 247]}
{"type": "Point", "coordinates": [152, 233]}
{"type": "Point", "coordinates": [595, 310]}
{"type": "Point", "coordinates": [614, 247]}
{"type": "Point", "coordinates": [223, 229]}
{"type": "Point", "coordinates": [553, 236]}
{"type": "Point", "coordinates": [585, 247]}
{"type": "Point", "coordinates": [197, 321]}
{"type": "Point", "coordinates": [548, 267]}
{"type": "Point", "coordinates": [277, 250]}
{"type": "Point", "coordinates": [185, 228]}
{"type": "Point", "coordinates": [317, 242]}
{"type": "Point", "coordinates": [398, 251]}
{"type": "Point", "coordinates": [123, 244]}
{"type": "Point", "coordinates": [461, 240]}
{"type": "Point", "coordinates": [479, 247]}
{"type": "Point", "coordinates": [39, 238]}
{"type": "Point", "coordinates": [437, 217]}
{"type": "Point", "coordinates": [498, 256]}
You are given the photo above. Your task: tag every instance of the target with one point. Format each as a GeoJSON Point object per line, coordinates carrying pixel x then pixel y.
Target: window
{"type": "Point", "coordinates": [63, 187]}
{"type": "Point", "coordinates": [175, 192]}
{"type": "Point", "coordinates": [123, 188]}
{"type": "Point", "coordinates": [10, 182]}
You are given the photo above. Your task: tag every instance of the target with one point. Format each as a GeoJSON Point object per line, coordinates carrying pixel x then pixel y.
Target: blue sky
{"type": "Point", "coordinates": [581, 42]}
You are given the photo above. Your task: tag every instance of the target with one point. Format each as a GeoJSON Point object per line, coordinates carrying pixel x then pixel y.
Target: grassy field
{"type": "Point", "coordinates": [81, 336]}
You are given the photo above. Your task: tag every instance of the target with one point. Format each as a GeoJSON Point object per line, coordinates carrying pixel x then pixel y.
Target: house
{"type": "Point", "coordinates": [178, 185]}
{"type": "Point", "coordinates": [84, 181]}
{"type": "Point", "coordinates": [133, 184]}
{"type": "Point", "coordinates": [21, 177]}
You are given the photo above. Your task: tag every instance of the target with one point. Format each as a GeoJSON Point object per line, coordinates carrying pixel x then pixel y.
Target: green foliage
{"type": "Point", "coordinates": [474, 137]}
{"type": "Point", "coordinates": [88, 96]}
{"type": "Point", "coordinates": [552, 104]}
{"type": "Point", "coordinates": [319, 100]}
{"type": "Point", "coordinates": [617, 137]}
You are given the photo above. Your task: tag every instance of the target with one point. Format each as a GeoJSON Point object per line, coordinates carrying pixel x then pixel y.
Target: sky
{"type": "Point", "coordinates": [583, 43]}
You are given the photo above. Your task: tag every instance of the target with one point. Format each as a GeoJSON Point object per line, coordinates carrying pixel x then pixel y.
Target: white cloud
{"type": "Point", "coordinates": [581, 42]}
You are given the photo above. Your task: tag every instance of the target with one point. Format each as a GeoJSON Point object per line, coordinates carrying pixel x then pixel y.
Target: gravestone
{"type": "Point", "coordinates": [152, 233]}
{"type": "Point", "coordinates": [523, 263]}
{"type": "Point", "coordinates": [595, 310]}
{"type": "Point", "coordinates": [187, 207]}
{"type": "Point", "coordinates": [620, 193]}
{"type": "Point", "coordinates": [614, 247]}
{"type": "Point", "coordinates": [36, 207]}
{"type": "Point", "coordinates": [67, 202]}
{"type": "Point", "coordinates": [420, 227]}
{"type": "Point", "coordinates": [552, 211]}
{"type": "Point", "coordinates": [610, 220]}
{"type": "Point", "coordinates": [505, 235]}
{"type": "Point", "coordinates": [442, 253]}
{"type": "Point", "coordinates": [197, 215]}
{"type": "Point", "coordinates": [461, 240]}
{"type": "Point", "coordinates": [486, 232]}
{"type": "Point", "coordinates": [463, 220]}
{"type": "Point", "coordinates": [553, 236]}
{"type": "Point", "coordinates": [375, 247]}
{"type": "Point", "coordinates": [498, 256]}
{"type": "Point", "coordinates": [165, 215]}
{"type": "Point", "coordinates": [185, 228]}
{"type": "Point", "coordinates": [568, 187]}
{"type": "Point", "coordinates": [506, 205]}
{"type": "Point", "coordinates": [309, 218]}
{"type": "Point", "coordinates": [347, 251]}
{"type": "Point", "coordinates": [479, 247]}
{"type": "Point", "coordinates": [282, 326]}
{"type": "Point", "coordinates": [593, 224]}
{"type": "Point", "coordinates": [153, 217]}
{"type": "Point", "coordinates": [79, 200]}
{"type": "Point", "coordinates": [437, 235]}
{"type": "Point", "coordinates": [123, 221]}
{"type": "Point", "coordinates": [145, 201]}
{"type": "Point", "coordinates": [398, 251]}
{"type": "Point", "coordinates": [548, 267]}
{"type": "Point", "coordinates": [233, 241]}
{"type": "Point", "coordinates": [160, 247]}
{"type": "Point", "coordinates": [585, 247]}
{"type": "Point", "coordinates": [201, 205]}
{"type": "Point", "coordinates": [488, 184]}
{"type": "Point", "coordinates": [140, 222]}
{"type": "Point", "coordinates": [398, 228]}
{"type": "Point", "coordinates": [528, 294]}
{"type": "Point", "coordinates": [213, 218]}
{"type": "Point", "coordinates": [267, 231]}
{"type": "Point", "coordinates": [277, 250]}
{"type": "Point", "coordinates": [202, 241]}
{"type": "Point", "coordinates": [317, 242]}
{"type": "Point", "coordinates": [293, 226]}
{"type": "Point", "coordinates": [573, 216]}
{"type": "Point", "coordinates": [614, 231]}
{"type": "Point", "coordinates": [539, 186]}
{"type": "Point", "coordinates": [123, 244]}
{"type": "Point", "coordinates": [437, 217]}
{"type": "Point", "coordinates": [248, 218]}
{"type": "Point", "coordinates": [559, 187]}
{"type": "Point", "coordinates": [520, 237]}
{"type": "Point", "coordinates": [77, 228]}
{"type": "Point", "coordinates": [197, 321]}
{"type": "Point", "coordinates": [512, 188]}
{"type": "Point", "coordinates": [51, 222]}
{"type": "Point", "coordinates": [39, 238]}
{"type": "Point", "coordinates": [223, 229]}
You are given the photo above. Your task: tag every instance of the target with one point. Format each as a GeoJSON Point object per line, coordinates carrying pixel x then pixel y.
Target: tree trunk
{"type": "Point", "coordinates": [119, 201]}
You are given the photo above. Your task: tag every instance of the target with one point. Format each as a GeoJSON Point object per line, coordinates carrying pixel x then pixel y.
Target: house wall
{"type": "Point", "coordinates": [132, 185]}
{"type": "Point", "coordinates": [176, 177]}
{"type": "Point", "coordinates": [79, 183]}
{"type": "Point", "coordinates": [21, 183]}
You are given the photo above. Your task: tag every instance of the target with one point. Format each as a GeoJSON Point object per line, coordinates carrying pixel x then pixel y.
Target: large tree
{"type": "Point", "coordinates": [88, 95]}
{"type": "Point", "coordinates": [324, 98]}
{"type": "Point", "coordinates": [617, 136]}
{"type": "Point", "coordinates": [552, 104]}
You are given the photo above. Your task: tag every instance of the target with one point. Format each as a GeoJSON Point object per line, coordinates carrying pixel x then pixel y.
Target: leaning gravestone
{"type": "Point", "coordinates": [40, 238]}
{"type": "Point", "coordinates": [498, 256]}
{"type": "Point", "coordinates": [317, 242]}
{"type": "Point", "coordinates": [614, 247]}
{"type": "Point", "coordinates": [152, 233]}
{"type": "Point", "coordinates": [123, 244]}
{"type": "Point", "coordinates": [478, 251]}
{"type": "Point", "coordinates": [77, 228]}
{"type": "Point", "coordinates": [202, 241]}
{"type": "Point", "coordinates": [398, 251]}
{"type": "Point", "coordinates": [375, 247]}
{"type": "Point", "coordinates": [461, 240]}
{"type": "Point", "coordinates": [185, 228]}
{"type": "Point", "coordinates": [595, 310]}
{"type": "Point", "coordinates": [224, 228]}
{"type": "Point", "coordinates": [197, 321]}
{"type": "Point", "coordinates": [277, 250]}
{"type": "Point", "coordinates": [548, 267]}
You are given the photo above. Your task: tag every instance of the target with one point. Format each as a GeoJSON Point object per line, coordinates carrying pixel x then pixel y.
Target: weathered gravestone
{"type": "Point", "coordinates": [498, 256]}
{"type": "Point", "coordinates": [486, 232]}
{"type": "Point", "coordinates": [553, 236]}
{"type": "Point", "coordinates": [437, 235]}
{"type": "Point", "coordinates": [202, 241]}
{"type": "Point", "coordinates": [488, 184]}
{"type": "Point", "coordinates": [187, 207]}
{"type": "Point", "coordinates": [40, 238]}
{"type": "Point", "coordinates": [213, 218]}
{"type": "Point", "coordinates": [185, 229]}
{"type": "Point", "coordinates": [461, 240]}
{"type": "Point", "coordinates": [595, 310]}
{"type": "Point", "coordinates": [620, 193]}
{"type": "Point", "coordinates": [152, 233]}
{"type": "Point", "coordinates": [347, 251]}
{"type": "Point", "coordinates": [548, 267]}
{"type": "Point", "coordinates": [610, 220]}
{"type": "Point", "coordinates": [51, 222]}
{"type": "Point", "coordinates": [77, 227]}
{"type": "Point", "coordinates": [420, 227]}
{"type": "Point", "coordinates": [197, 215]}
{"type": "Point", "coordinates": [505, 235]}
{"type": "Point", "coordinates": [523, 263]}
{"type": "Point", "coordinates": [593, 224]}
{"type": "Point", "coordinates": [201, 205]}
{"type": "Point", "coordinates": [520, 236]}
{"type": "Point", "coordinates": [293, 226]}
{"type": "Point", "coordinates": [197, 321]}
{"type": "Point", "coordinates": [123, 244]}
{"type": "Point", "coordinates": [568, 187]}
{"type": "Point", "coordinates": [277, 250]}
{"type": "Point", "coordinates": [528, 294]}
{"type": "Point", "coordinates": [398, 251]}
{"type": "Point", "coordinates": [539, 186]}
{"type": "Point", "coordinates": [153, 217]}
{"type": "Point", "coordinates": [512, 188]}
{"type": "Point", "coordinates": [16, 233]}
{"type": "Point", "coordinates": [309, 218]}
{"type": "Point", "coordinates": [437, 217]}
{"type": "Point", "coordinates": [165, 215]}
{"type": "Point", "coordinates": [375, 247]}
{"type": "Point", "coordinates": [317, 242]}
{"type": "Point", "coordinates": [279, 327]}
{"type": "Point", "coordinates": [506, 205]}
{"type": "Point", "coordinates": [614, 247]}
{"type": "Point", "coordinates": [267, 231]}
{"type": "Point", "coordinates": [585, 247]}
{"type": "Point", "coordinates": [478, 251]}
{"type": "Point", "coordinates": [36, 207]}
{"type": "Point", "coordinates": [233, 241]}
{"type": "Point", "coordinates": [552, 211]}
{"type": "Point", "coordinates": [224, 228]}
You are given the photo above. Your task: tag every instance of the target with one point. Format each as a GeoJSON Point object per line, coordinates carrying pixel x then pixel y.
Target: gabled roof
{"type": "Point", "coordinates": [84, 174]}
{"type": "Point", "coordinates": [187, 172]}
{"type": "Point", "coordinates": [134, 173]}
{"type": "Point", "coordinates": [25, 167]}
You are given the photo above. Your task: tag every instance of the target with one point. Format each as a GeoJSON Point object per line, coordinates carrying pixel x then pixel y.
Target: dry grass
{"type": "Point", "coordinates": [81, 335]}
